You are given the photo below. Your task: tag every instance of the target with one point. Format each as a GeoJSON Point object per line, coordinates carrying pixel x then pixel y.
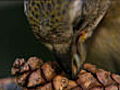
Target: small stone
{"type": "Point", "coordinates": [97, 88]}
{"type": "Point", "coordinates": [87, 81]}
{"type": "Point", "coordinates": [24, 68]}
{"type": "Point", "coordinates": [15, 71]}
{"type": "Point", "coordinates": [77, 88]}
{"type": "Point", "coordinates": [45, 87]}
{"type": "Point", "coordinates": [89, 67]}
{"type": "Point", "coordinates": [34, 63]}
{"type": "Point", "coordinates": [48, 71]}
{"type": "Point", "coordinates": [19, 62]}
{"type": "Point", "coordinates": [20, 70]}
{"type": "Point", "coordinates": [21, 80]}
{"type": "Point", "coordinates": [112, 87]}
{"type": "Point", "coordinates": [71, 84]}
{"type": "Point", "coordinates": [60, 82]}
{"type": "Point", "coordinates": [35, 79]}
{"type": "Point", "coordinates": [104, 77]}
{"type": "Point", "coordinates": [116, 78]}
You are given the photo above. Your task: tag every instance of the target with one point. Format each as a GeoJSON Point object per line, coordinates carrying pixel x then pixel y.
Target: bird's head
{"type": "Point", "coordinates": [54, 25]}
{"type": "Point", "coordinates": [68, 50]}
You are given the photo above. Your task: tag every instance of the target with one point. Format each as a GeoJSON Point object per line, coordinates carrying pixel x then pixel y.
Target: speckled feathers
{"type": "Point", "coordinates": [50, 19]}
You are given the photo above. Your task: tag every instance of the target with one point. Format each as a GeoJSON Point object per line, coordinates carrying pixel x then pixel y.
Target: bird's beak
{"type": "Point", "coordinates": [76, 65]}
{"type": "Point", "coordinates": [78, 57]}
{"type": "Point", "coordinates": [72, 61]}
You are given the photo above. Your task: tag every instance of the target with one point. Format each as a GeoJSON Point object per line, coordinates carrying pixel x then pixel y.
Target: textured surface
{"type": "Point", "coordinates": [56, 21]}
{"type": "Point", "coordinates": [49, 19]}
{"type": "Point", "coordinates": [49, 76]}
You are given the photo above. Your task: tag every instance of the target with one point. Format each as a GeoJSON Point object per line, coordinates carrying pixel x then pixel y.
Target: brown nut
{"type": "Point", "coordinates": [104, 77]}
{"type": "Point", "coordinates": [34, 63]}
{"type": "Point", "coordinates": [19, 62]}
{"type": "Point", "coordinates": [89, 67]}
{"type": "Point", "coordinates": [21, 80]}
{"type": "Point", "coordinates": [60, 82]}
{"type": "Point", "coordinates": [77, 88]}
{"type": "Point", "coordinates": [71, 84]}
{"type": "Point", "coordinates": [48, 71]}
{"type": "Point", "coordinates": [87, 81]}
{"type": "Point", "coordinates": [35, 79]}
{"type": "Point", "coordinates": [116, 78]}
{"type": "Point", "coordinates": [112, 87]}
{"type": "Point", "coordinates": [47, 86]}
{"type": "Point", "coordinates": [97, 88]}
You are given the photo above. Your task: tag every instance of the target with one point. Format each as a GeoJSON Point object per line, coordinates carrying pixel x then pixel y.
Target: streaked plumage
{"type": "Point", "coordinates": [64, 25]}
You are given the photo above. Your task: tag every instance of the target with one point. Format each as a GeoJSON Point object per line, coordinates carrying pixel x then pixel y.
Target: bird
{"type": "Point", "coordinates": [104, 45]}
{"type": "Point", "coordinates": [64, 26]}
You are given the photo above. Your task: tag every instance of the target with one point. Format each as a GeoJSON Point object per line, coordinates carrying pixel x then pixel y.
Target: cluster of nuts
{"type": "Point", "coordinates": [38, 75]}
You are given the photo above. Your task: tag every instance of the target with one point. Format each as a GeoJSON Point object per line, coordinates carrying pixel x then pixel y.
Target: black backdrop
{"type": "Point", "coordinates": [16, 38]}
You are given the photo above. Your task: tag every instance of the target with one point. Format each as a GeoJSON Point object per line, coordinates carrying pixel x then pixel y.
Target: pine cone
{"type": "Point", "coordinates": [38, 75]}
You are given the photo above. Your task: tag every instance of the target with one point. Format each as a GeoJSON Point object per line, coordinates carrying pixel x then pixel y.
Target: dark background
{"type": "Point", "coordinates": [16, 38]}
